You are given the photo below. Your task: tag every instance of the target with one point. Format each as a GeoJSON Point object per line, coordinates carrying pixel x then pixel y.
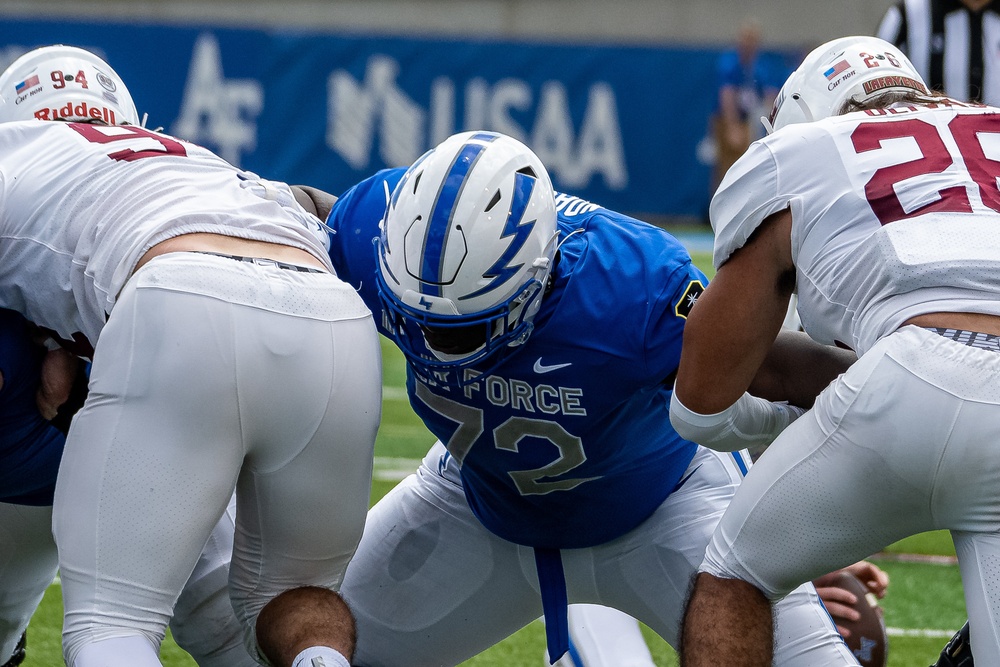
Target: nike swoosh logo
{"type": "Point", "coordinates": [540, 368]}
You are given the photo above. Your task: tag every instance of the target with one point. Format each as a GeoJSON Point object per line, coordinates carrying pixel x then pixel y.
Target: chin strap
{"type": "Point", "coordinates": [767, 124]}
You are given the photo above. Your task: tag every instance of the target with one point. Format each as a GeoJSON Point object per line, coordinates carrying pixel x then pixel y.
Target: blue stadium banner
{"type": "Point", "coordinates": [620, 126]}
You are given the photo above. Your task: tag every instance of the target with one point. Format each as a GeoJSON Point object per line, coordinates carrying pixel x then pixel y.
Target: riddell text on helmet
{"type": "Point", "coordinates": [81, 111]}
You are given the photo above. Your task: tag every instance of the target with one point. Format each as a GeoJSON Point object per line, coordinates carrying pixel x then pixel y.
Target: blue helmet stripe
{"type": "Point", "coordinates": [436, 234]}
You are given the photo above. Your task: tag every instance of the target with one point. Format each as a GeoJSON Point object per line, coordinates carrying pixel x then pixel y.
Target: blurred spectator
{"type": "Point", "coordinates": [951, 43]}
{"type": "Point", "coordinates": [748, 82]}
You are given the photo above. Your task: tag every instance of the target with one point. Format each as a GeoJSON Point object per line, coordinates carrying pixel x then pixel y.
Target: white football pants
{"type": "Point", "coordinates": [430, 586]}
{"type": "Point", "coordinates": [213, 375]}
{"type": "Point", "coordinates": [203, 623]}
{"type": "Point", "coordinates": [907, 440]}
{"type": "Point", "coordinates": [603, 637]}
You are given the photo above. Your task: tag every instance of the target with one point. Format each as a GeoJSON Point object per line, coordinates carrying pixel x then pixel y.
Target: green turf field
{"type": "Point", "coordinates": [924, 605]}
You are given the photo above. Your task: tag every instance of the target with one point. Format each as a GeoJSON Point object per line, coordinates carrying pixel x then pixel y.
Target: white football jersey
{"type": "Point", "coordinates": [895, 213]}
{"type": "Point", "coordinates": [81, 203]}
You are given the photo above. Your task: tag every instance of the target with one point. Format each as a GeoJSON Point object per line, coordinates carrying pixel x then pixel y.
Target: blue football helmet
{"type": "Point", "coordinates": [466, 247]}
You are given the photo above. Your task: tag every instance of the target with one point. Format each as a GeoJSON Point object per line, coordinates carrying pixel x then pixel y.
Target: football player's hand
{"type": "Point", "coordinates": [872, 576]}
{"type": "Point", "coordinates": [842, 604]}
{"type": "Point", "coordinates": [59, 369]}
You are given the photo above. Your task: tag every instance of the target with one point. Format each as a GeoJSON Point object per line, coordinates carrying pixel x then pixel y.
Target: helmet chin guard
{"type": "Point", "coordinates": [468, 240]}
{"type": "Point", "coordinates": [857, 68]}
{"type": "Point", "coordinates": [64, 83]}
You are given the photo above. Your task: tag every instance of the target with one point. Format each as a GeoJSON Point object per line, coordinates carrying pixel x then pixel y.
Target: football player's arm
{"type": "Point", "coordinates": [797, 368]}
{"type": "Point", "coordinates": [314, 200]}
{"type": "Point", "coordinates": [58, 376]}
{"type": "Point", "coordinates": [732, 327]}
{"type": "Point", "coordinates": [727, 338]}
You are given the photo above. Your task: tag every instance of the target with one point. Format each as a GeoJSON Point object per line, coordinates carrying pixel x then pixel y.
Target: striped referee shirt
{"type": "Point", "coordinates": [955, 49]}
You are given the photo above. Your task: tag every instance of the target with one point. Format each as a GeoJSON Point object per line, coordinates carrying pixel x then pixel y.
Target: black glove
{"type": "Point", "coordinates": [18, 656]}
{"type": "Point", "coordinates": [958, 651]}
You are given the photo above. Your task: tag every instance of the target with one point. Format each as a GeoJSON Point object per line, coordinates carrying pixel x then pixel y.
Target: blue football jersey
{"type": "Point", "coordinates": [30, 447]}
{"type": "Point", "coordinates": [568, 442]}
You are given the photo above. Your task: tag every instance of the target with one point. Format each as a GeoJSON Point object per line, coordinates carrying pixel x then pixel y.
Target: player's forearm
{"type": "Point", "coordinates": [797, 369]}
{"type": "Point", "coordinates": [728, 336]}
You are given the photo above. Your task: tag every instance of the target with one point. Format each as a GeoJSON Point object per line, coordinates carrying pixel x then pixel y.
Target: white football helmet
{"type": "Point", "coordinates": [468, 241]}
{"type": "Point", "coordinates": [832, 74]}
{"type": "Point", "coordinates": [64, 83]}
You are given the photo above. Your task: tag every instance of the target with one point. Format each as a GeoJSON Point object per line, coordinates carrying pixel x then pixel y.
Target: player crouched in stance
{"type": "Point", "coordinates": [877, 202]}
{"type": "Point", "coordinates": [228, 356]}
{"type": "Point", "coordinates": [540, 333]}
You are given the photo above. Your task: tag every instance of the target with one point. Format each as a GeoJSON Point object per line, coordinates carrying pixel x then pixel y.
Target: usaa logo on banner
{"type": "Point", "coordinates": [357, 110]}
{"type": "Point", "coordinates": [221, 113]}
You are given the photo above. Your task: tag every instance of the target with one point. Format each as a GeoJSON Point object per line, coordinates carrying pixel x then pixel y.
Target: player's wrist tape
{"type": "Point", "coordinates": [749, 423]}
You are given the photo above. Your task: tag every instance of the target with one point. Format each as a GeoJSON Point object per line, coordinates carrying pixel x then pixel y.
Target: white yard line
{"type": "Point", "coordinates": [393, 393]}
{"type": "Point", "coordinates": [917, 558]}
{"type": "Point", "coordinates": [392, 469]}
{"type": "Point", "coordinates": [892, 632]}
{"type": "Point", "coordinates": [919, 632]}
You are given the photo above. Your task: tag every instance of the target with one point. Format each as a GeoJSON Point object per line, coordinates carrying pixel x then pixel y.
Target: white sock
{"type": "Point", "coordinates": [320, 656]}
{"type": "Point", "coordinates": [125, 651]}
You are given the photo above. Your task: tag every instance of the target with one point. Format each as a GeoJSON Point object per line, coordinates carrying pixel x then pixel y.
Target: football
{"type": "Point", "coordinates": [867, 638]}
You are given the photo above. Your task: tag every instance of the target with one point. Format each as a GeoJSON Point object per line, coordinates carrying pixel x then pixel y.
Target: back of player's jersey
{"type": "Point", "coordinates": [894, 213]}
{"type": "Point", "coordinates": [81, 203]}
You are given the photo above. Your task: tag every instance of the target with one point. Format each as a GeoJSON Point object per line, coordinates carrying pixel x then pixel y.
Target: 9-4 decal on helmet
{"type": "Point", "coordinates": [690, 297]}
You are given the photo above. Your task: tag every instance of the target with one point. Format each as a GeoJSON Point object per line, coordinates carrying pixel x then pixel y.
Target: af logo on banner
{"type": "Point", "coordinates": [216, 112]}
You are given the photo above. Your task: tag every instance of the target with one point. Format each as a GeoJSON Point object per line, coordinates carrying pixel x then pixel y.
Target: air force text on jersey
{"type": "Point", "coordinates": [521, 395]}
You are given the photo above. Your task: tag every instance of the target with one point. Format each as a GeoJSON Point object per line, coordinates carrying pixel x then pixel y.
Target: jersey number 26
{"type": "Point", "coordinates": [965, 130]}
